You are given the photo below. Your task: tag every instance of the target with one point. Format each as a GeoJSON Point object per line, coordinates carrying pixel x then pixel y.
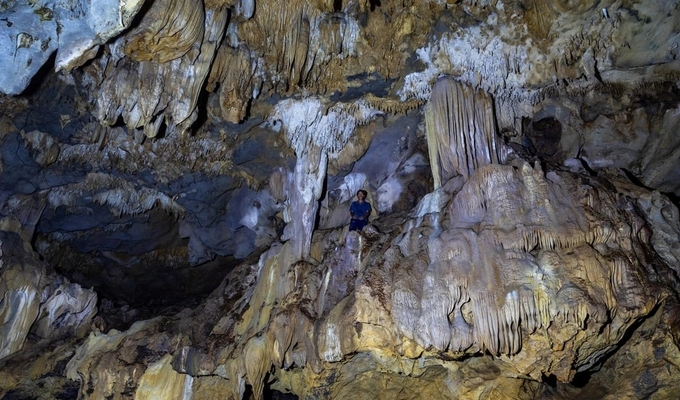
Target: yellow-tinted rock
{"type": "Point", "coordinates": [160, 381]}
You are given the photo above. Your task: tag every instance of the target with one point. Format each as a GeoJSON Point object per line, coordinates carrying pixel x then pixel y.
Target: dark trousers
{"type": "Point", "coordinates": [357, 224]}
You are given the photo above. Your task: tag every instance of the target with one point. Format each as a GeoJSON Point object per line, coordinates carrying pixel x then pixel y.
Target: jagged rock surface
{"type": "Point", "coordinates": [477, 300]}
{"type": "Point", "coordinates": [520, 156]}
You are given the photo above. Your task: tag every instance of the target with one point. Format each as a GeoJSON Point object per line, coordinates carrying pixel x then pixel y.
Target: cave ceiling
{"type": "Point", "coordinates": [144, 133]}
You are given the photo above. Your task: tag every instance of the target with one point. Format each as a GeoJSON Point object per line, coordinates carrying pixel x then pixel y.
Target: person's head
{"type": "Point", "coordinates": [361, 194]}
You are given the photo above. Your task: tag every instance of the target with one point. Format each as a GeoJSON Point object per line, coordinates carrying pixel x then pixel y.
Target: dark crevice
{"type": "Point", "coordinates": [674, 198]}
{"type": "Point", "coordinates": [550, 380]}
{"type": "Point", "coordinates": [635, 179]}
{"type": "Point", "coordinates": [581, 379]}
{"type": "Point", "coordinates": [37, 82]}
{"type": "Point", "coordinates": [585, 165]}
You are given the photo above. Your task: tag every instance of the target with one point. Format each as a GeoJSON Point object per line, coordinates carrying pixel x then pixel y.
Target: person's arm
{"type": "Point", "coordinates": [368, 211]}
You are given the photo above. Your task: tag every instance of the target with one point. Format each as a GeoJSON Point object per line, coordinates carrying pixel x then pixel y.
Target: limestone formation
{"type": "Point", "coordinates": [36, 303]}
{"type": "Point", "coordinates": [175, 178]}
{"type": "Point", "coordinates": [461, 131]}
{"type": "Point", "coordinates": [315, 135]}
{"type": "Point", "coordinates": [75, 30]}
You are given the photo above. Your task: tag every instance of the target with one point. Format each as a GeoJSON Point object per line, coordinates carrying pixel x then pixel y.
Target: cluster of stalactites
{"type": "Point", "coordinates": [282, 33]}
{"type": "Point", "coordinates": [155, 73]}
{"type": "Point", "coordinates": [530, 238]}
{"type": "Point", "coordinates": [285, 44]}
{"type": "Point", "coordinates": [308, 124]}
{"type": "Point", "coordinates": [234, 77]}
{"type": "Point", "coordinates": [524, 249]}
{"type": "Point", "coordinates": [490, 304]}
{"type": "Point", "coordinates": [461, 130]}
{"type": "Point", "coordinates": [121, 196]}
{"type": "Point", "coordinates": [497, 324]}
{"type": "Point", "coordinates": [460, 316]}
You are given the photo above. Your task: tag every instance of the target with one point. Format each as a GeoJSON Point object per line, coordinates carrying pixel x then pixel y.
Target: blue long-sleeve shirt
{"type": "Point", "coordinates": [360, 209]}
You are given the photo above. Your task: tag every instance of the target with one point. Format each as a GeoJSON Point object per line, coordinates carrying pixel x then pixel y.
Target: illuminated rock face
{"type": "Point", "coordinates": [547, 272]}
{"type": "Point", "coordinates": [192, 163]}
{"type": "Point", "coordinates": [74, 30]}
{"type": "Point", "coordinates": [476, 298]}
{"type": "Point", "coordinates": [34, 302]}
{"type": "Point", "coordinates": [458, 118]}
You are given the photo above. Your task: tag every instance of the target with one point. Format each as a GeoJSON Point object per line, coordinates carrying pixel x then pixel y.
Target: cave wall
{"type": "Point", "coordinates": [175, 178]}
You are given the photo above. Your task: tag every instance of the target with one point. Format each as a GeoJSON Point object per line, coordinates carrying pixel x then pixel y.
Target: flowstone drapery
{"type": "Point", "coordinates": [461, 131]}
{"type": "Point", "coordinates": [521, 251]}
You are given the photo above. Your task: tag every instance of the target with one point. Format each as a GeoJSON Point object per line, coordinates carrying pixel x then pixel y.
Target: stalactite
{"type": "Point", "coordinates": [600, 234]}
{"type": "Point", "coordinates": [529, 313]}
{"type": "Point", "coordinates": [139, 89]}
{"type": "Point", "coordinates": [486, 322]}
{"type": "Point", "coordinates": [304, 352]}
{"type": "Point", "coordinates": [461, 332]}
{"type": "Point", "coordinates": [235, 71]}
{"type": "Point", "coordinates": [392, 106]}
{"type": "Point", "coordinates": [461, 130]}
{"type": "Point", "coordinates": [258, 362]}
{"type": "Point", "coordinates": [280, 31]}
{"type": "Point", "coordinates": [529, 238]}
{"type": "Point", "coordinates": [577, 307]}
{"type": "Point", "coordinates": [296, 40]}
{"type": "Point", "coordinates": [513, 335]}
{"type": "Point", "coordinates": [282, 328]}
{"type": "Point", "coordinates": [497, 323]}
{"type": "Point", "coordinates": [121, 196]}
{"type": "Point", "coordinates": [436, 305]}
{"type": "Point", "coordinates": [168, 31]}
{"type": "Point", "coordinates": [542, 301]}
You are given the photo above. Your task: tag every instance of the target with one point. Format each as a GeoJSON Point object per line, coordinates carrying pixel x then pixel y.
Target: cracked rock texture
{"type": "Point", "coordinates": [175, 178]}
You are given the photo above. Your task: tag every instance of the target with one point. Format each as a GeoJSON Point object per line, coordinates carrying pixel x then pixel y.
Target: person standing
{"type": "Point", "coordinates": [359, 211]}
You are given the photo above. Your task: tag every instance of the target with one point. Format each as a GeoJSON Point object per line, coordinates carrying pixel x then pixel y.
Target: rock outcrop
{"type": "Point", "coordinates": [523, 277]}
